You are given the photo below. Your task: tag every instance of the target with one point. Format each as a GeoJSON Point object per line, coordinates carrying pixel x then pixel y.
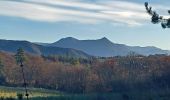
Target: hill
{"type": "Point", "coordinates": [12, 46]}
{"type": "Point", "coordinates": [105, 48]}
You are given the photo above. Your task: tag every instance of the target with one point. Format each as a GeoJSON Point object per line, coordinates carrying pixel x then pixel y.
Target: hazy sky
{"type": "Point", "coordinates": [121, 21]}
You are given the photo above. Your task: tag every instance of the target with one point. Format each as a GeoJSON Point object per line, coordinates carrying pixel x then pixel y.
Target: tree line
{"type": "Point", "coordinates": [114, 74]}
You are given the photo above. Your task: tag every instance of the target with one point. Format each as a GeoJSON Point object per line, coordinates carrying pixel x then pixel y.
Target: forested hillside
{"type": "Point", "coordinates": [32, 48]}
{"type": "Point", "coordinates": [105, 48]}
{"type": "Point", "coordinates": [73, 75]}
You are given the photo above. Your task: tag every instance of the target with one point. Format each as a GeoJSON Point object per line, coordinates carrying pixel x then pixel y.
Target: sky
{"type": "Point", "coordinates": [47, 21]}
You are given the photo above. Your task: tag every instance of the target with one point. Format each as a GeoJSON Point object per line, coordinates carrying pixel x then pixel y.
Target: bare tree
{"type": "Point", "coordinates": [156, 18]}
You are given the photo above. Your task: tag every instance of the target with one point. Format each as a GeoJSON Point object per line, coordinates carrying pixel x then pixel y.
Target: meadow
{"type": "Point", "coordinates": [7, 92]}
{"type": "Point", "coordinates": [10, 93]}
{"type": "Point", "coordinates": [133, 77]}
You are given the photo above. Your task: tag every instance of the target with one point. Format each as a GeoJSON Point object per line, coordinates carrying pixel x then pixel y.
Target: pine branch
{"type": "Point", "coordinates": [156, 18]}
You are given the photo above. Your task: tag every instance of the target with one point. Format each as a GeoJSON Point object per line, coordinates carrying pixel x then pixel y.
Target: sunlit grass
{"type": "Point", "coordinates": [8, 94]}
{"type": "Point", "coordinates": [45, 94]}
{"type": "Point", "coordinates": [33, 92]}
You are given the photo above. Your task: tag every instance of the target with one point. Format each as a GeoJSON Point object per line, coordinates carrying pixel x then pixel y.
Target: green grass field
{"type": "Point", "coordinates": [45, 94]}
{"type": "Point", "coordinates": [33, 92]}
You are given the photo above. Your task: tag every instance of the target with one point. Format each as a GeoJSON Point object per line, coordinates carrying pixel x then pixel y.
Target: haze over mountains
{"type": "Point", "coordinates": [12, 46]}
{"type": "Point", "coordinates": [79, 48]}
{"type": "Point", "coordinates": [105, 48]}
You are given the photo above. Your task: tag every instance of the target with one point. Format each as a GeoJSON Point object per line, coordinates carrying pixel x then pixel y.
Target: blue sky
{"type": "Point", "coordinates": [121, 21]}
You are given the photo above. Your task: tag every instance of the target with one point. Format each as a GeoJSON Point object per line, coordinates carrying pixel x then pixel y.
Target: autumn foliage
{"type": "Point", "coordinates": [76, 75]}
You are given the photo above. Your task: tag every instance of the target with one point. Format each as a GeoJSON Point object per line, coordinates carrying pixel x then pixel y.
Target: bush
{"type": "Point", "coordinates": [20, 96]}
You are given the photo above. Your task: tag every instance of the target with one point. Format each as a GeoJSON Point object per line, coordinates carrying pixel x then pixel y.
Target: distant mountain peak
{"type": "Point", "coordinates": [104, 47]}
{"type": "Point", "coordinates": [104, 39]}
{"type": "Point", "coordinates": [67, 39]}
{"type": "Point", "coordinates": [70, 38]}
{"type": "Point", "coordinates": [29, 47]}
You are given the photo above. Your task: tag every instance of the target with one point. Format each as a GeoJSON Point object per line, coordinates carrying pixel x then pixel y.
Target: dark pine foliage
{"type": "Point", "coordinates": [156, 18]}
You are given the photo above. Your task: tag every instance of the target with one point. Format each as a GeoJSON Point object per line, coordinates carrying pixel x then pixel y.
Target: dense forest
{"type": "Point", "coordinates": [76, 75]}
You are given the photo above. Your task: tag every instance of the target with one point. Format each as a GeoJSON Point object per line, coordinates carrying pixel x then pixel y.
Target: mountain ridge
{"type": "Point", "coordinates": [103, 47]}
{"type": "Point", "coordinates": [29, 47]}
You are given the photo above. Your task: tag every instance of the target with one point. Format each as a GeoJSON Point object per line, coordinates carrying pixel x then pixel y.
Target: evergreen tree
{"type": "Point", "coordinates": [156, 18]}
{"type": "Point", "coordinates": [1, 63]}
{"type": "Point", "coordinates": [20, 58]}
{"type": "Point", "coordinates": [2, 79]}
